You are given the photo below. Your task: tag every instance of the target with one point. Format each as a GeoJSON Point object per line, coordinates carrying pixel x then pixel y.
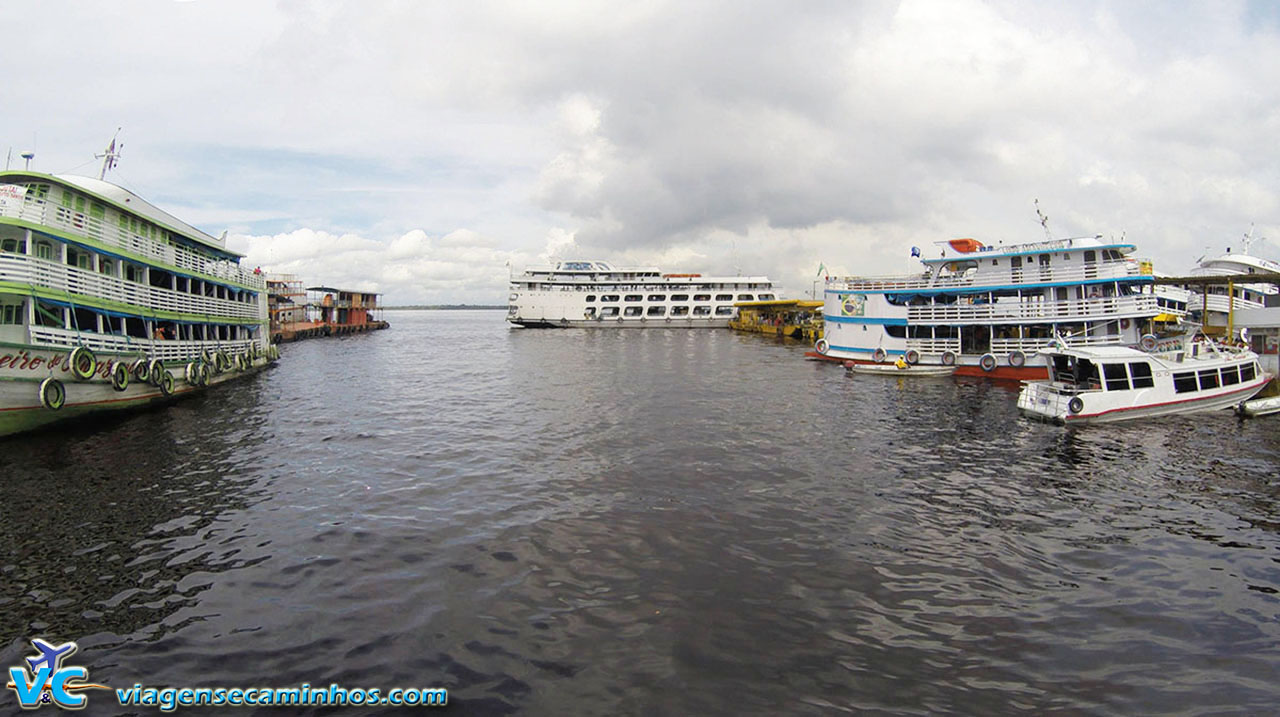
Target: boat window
{"type": "Point", "coordinates": [702, 297]}
{"type": "Point", "coordinates": [633, 297]}
{"type": "Point", "coordinates": [896, 331]}
{"type": "Point", "coordinates": [591, 297]}
{"type": "Point", "coordinates": [1247, 372]}
{"type": "Point", "coordinates": [1230, 375]}
{"type": "Point", "coordinates": [1117, 376]}
{"type": "Point", "coordinates": [44, 250]}
{"type": "Point", "coordinates": [656, 311]}
{"type": "Point", "coordinates": [1184, 382]}
{"type": "Point", "coordinates": [609, 297]}
{"type": "Point", "coordinates": [49, 315]}
{"type": "Point", "coordinates": [745, 297]}
{"type": "Point", "coordinates": [14, 246]}
{"type": "Point", "coordinates": [679, 311]}
{"type": "Point", "coordinates": [679, 297]}
{"type": "Point", "coordinates": [724, 311]}
{"type": "Point", "coordinates": [632, 311]}
{"type": "Point", "coordinates": [1208, 379]}
{"type": "Point", "coordinates": [766, 297]}
{"type": "Point", "coordinates": [920, 332]}
{"type": "Point", "coordinates": [724, 297]}
{"type": "Point", "coordinates": [1141, 373]}
{"type": "Point", "coordinates": [657, 297]}
{"type": "Point", "coordinates": [608, 311]}
{"type": "Point", "coordinates": [14, 314]}
{"type": "Point", "coordinates": [702, 311]}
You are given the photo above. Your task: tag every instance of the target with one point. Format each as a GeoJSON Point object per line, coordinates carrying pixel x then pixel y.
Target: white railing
{"type": "Point", "coordinates": [150, 348]}
{"type": "Point", "coordinates": [1029, 274]}
{"type": "Point", "coordinates": [1219, 303]}
{"type": "Point", "coordinates": [64, 219]}
{"type": "Point", "coordinates": [1110, 307]}
{"type": "Point", "coordinates": [1002, 347]}
{"type": "Point", "coordinates": [54, 275]}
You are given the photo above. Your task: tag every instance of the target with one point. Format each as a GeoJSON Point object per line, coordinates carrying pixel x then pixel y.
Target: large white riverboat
{"type": "Point", "coordinates": [108, 302]}
{"type": "Point", "coordinates": [597, 294]}
{"type": "Point", "coordinates": [1115, 383]}
{"type": "Point", "coordinates": [1214, 306]}
{"type": "Point", "coordinates": [988, 310]}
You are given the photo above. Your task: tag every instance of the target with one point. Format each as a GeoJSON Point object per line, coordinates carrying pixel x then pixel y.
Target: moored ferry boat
{"type": "Point", "coordinates": [1114, 383]}
{"type": "Point", "coordinates": [108, 302]}
{"type": "Point", "coordinates": [1216, 305]}
{"type": "Point", "coordinates": [597, 294]}
{"type": "Point", "coordinates": [988, 310]}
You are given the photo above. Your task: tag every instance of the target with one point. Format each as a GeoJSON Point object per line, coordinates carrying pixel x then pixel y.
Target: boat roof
{"type": "Point", "coordinates": [1101, 352]}
{"type": "Point", "coordinates": [127, 201]}
{"type": "Point", "coordinates": [331, 290]}
{"type": "Point", "coordinates": [971, 249]}
{"type": "Point", "coordinates": [780, 304]}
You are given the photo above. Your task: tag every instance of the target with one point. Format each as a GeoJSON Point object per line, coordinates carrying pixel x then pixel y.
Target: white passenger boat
{"type": "Point", "coordinates": [1116, 383]}
{"type": "Point", "coordinates": [1215, 306]}
{"type": "Point", "coordinates": [597, 294]}
{"type": "Point", "coordinates": [988, 310]}
{"type": "Point", "coordinates": [108, 302]}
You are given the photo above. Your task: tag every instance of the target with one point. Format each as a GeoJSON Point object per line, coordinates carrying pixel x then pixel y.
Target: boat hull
{"type": "Point", "coordinates": [631, 323]}
{"type": "Point", "coordinates": [21, 409]}
{"type": "Point", "coordinates": [892, 370]}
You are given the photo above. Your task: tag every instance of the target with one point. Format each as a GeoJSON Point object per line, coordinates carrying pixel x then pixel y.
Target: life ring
{"type": "Point", "coordinates": [912, 356]}
{"type": "Point", "coordinates": [223, 361]}
{"type": "Point", "coordinates": [83, 363]}
{"type": "Point", "coordinates": [1075, 405]}
{"type": "Point", "coordinates": [1124, 324]}
{"type": "Point", "coordinates": [203, 374]}
{"type": "Point", "coordinates": [879, 356]}
{"type": "Point", "coordinates": [165, 382]}
{"type": "Point", "coordinates": [141, 370]}
{"type": "Point", "coordinates": [987, 362]}
{"type": "Point", "coordinates": [257, 350]}
{"type": "Point", "coordinates": [1017, 359]}
{"type": "Point", "coordinates": [154, 369]}
{"type": "Point", "coordinates": [668, 319]}
{"type": "Point", "coordinates": [822, 346]}
{"type": "Point", "coordinates": [1244, 334]}
{"type": "Point", "coordinates": [1148, 343]}
{"type": "Point", "coordinates": [119, 376]}
{"type": "Point", "coordinates": [948, 358]}
{"type": "Point", "coordinates": [192, 373]}
{"type": "Point", "coordinates": [52, 394]}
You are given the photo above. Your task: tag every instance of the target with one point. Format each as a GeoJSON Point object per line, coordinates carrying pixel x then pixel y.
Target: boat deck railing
{"type": "Point", "coordinates": [1029, 274]}
{"type": "Point", "coordinates": [1004, 346]}
{"type": "Point", "coordinates": [1024, 311]}
{"type": "Point", "coordinates": [51, 274]}
{"type": "Point", "coordinates": [165, 350]}
{"type": "Point", "coordinates": [64, 219]}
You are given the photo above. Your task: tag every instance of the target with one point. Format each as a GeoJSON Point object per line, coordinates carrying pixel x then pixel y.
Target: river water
{"type": "Point", "coordinates": [670, 522]}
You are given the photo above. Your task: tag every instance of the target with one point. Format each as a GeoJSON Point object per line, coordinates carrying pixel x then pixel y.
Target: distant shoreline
{"type": "Point", "coordinates": [446, 307]}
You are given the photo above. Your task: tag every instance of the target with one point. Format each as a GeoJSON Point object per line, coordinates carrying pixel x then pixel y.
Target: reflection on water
{"type": "Point", "coordinates": [630, 522]}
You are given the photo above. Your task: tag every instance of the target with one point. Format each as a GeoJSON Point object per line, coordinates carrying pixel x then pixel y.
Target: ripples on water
{"type": "Point", "coordinates": [648, 522]}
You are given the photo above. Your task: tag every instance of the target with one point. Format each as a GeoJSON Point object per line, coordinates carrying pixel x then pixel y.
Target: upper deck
{"type": "Point", "coordinates": [965, 265]}
{"type": "Point", "coordinates": [585, 274]}
{"type": "Point", "coordinates": [113, 219]}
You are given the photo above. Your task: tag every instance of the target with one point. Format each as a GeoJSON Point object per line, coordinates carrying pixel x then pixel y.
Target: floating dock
{"type": "Point", "coordinates": [319, 310]}
{"type": "Point", "coordinates": [786, 318]}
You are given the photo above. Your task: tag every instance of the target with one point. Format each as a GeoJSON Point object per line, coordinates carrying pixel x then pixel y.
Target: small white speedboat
{"type": "Point", "coordinates": [888, 369]}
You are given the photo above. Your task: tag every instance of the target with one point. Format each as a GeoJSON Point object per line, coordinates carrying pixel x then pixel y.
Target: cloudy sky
{"type": "Point", "coordinates": [420, 148]}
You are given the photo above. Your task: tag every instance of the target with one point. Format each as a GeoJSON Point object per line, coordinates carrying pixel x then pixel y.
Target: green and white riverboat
{"type": "Point", "coordinates": [108, 302]}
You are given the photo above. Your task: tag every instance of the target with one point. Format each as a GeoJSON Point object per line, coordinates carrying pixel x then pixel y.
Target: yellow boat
{"type": "Point", "coordinates": [788, 318]}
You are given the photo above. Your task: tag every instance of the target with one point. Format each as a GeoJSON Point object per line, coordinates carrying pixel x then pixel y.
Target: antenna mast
{"type": "Point", "coordinates": [1248, 238]}
{"type": "Point", "coordinates": [1044, 221]}
{"type": "Point", "coordinates": [109, 157]}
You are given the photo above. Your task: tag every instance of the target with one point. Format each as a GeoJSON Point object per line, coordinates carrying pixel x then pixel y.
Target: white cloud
{"type": "Point", "coordinates": [419, 147]}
